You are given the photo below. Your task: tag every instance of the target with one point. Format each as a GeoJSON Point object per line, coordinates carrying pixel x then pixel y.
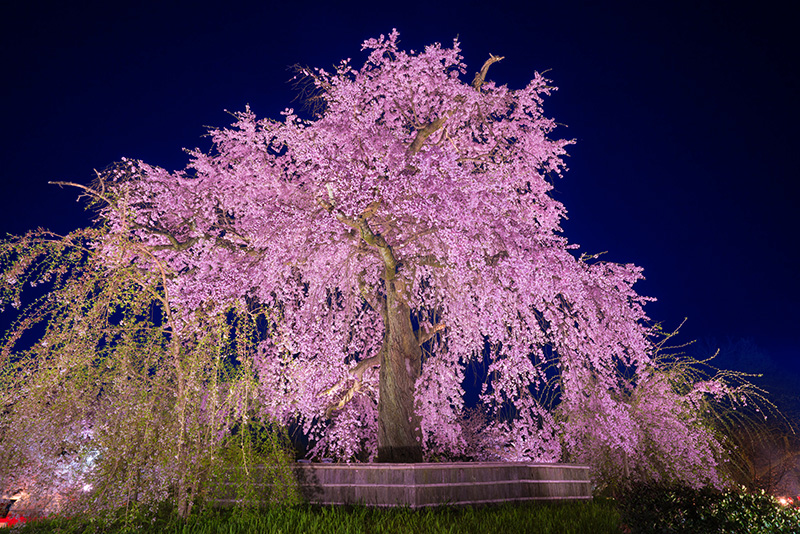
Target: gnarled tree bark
{"type": "Point", "coordinates": [399, 435]}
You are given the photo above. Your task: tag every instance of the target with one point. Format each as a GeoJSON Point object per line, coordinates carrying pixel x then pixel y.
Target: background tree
{"type": "Point", "coordinates": [675, 421]}
{"type": "Point", "coordinates": [765, 450]}
{"type": "Point", "coordinates": [110, 400]}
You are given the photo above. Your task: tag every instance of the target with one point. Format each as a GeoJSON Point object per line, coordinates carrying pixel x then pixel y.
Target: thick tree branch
{"type": "Point", "coordinates": [344, 400]}
{"type": "Point", "coordinates": [384, 249]}
{"type": "Point", "coordinates": [425, 336]}
{"type": "Point", "coordinates": [371, 238]}
{"type": "Point", "coordinates": [430, 260]}
{"type": "Point", "coordinates": [480, 77]}
{"type": "Point", "coordinates": [358, 373]}
{"type": "Point", "coordinates": [365, 294]}
{"type": "Point", "coordinates": [330, 208]}
{"type": "Point", "coordinates": [175, 244]}
{"type": "Point", "coordinates": [424, 133]}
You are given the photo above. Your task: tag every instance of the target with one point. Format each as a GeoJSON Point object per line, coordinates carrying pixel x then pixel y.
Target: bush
{"type": "Point", "coordinates": [665, 509]}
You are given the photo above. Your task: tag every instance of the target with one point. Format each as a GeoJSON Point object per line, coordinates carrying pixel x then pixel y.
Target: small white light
{"type": "Point", "coordinates": [87, 487]}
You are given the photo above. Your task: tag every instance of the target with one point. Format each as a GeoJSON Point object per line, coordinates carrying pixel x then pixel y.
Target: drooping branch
{"type": "Point", "coordinates": [89, 191]}
{"type": "Point", "coordinates": [175, 243]}
{"type": "Point", "coordinates": [311, 89]}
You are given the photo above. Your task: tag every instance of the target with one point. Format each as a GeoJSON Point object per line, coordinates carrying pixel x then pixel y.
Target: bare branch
{"type": "Point", "coordinates": [586, 257]}
{"type": "Point", "coordinates": [311, 89]}
{"type": "Point", "coordinates": [480, 77]}
{"type": "Point", "coordinates": [90, 192]}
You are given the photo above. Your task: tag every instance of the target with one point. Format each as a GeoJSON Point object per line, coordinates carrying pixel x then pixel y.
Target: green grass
{"type": "Point", "coordinates": [596, 517]}
{"type": "Point", "coordinates": [650, 509]}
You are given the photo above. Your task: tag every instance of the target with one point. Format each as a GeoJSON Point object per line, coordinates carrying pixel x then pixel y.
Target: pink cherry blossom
{"type": "Point", "coordinates": [404, 231]}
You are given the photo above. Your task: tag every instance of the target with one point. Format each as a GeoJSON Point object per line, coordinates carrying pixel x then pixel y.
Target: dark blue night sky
{"type": "Point", "coordinates": [685, 115]}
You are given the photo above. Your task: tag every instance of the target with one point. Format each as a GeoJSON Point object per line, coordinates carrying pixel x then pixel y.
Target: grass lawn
{"type": "Point", "coordinates": [596, 517]}
{"type": "Point", "coordinates": [647, 510]}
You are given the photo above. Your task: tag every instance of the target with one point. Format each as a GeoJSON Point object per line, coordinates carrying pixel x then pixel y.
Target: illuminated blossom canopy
{"type": "Point", "coordinates": [404, 231]}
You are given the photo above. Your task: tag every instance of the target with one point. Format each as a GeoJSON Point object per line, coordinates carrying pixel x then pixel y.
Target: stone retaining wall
{"type": "Point", "coordinates": [432, 484]}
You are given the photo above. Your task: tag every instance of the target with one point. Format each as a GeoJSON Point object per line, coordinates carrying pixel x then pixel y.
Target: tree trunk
{"type": "Point", "coordinates": [399, 436]}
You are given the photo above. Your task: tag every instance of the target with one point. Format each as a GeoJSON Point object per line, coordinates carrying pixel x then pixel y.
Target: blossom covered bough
{"type": "Point", "coordinates": [396, 234]}
{"type": "Point", "coordinates": [404, 228]}
{"type": "Point", "coordinates": [411, 213]}
{"type": "Point", "coordinates": [401, 234]}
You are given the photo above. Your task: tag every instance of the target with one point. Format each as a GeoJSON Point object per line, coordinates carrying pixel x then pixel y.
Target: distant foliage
{"type": "Point", "coordinates": [765, 450]}
{"type": "Point", "coordinates": [670, 423]}
{"type": "Point", "coordinates": [670, 508]}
